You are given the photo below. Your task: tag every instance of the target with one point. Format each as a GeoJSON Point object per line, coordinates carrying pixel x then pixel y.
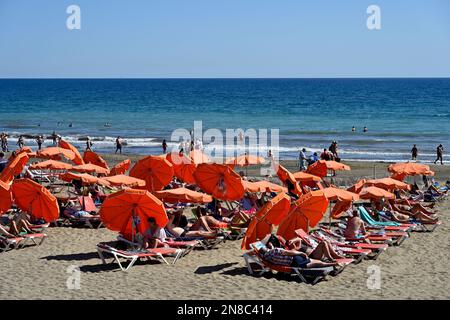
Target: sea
{"type": "Point", "coordinates": [296, 113]}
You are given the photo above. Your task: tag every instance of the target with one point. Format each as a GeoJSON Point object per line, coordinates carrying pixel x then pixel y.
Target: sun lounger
{"type": "Point", "coordinates": [387, 225]}
{"type": "Point", "coordinates": [87, 204]}
{"type": "Point", "coordinates": [38, 176]}
{"type": "Point", "coordinates": [189, 242]}
{"type": "Point", "coordinates": [132, 256]}
{"type": "Point", "coordinates": [357, 254]}
{"type": "Point", "coordinates": [21, 241]}
{"type": "Point", "coordinates": [91, 222]}
{"type": "Point", "coordinates": [306, 275]}
{"type": "Point", "coordinates": [187, 245]}
{"type": "Point", "coordinates": [417, 225]}
{"type": "Point", "coordinates": [341, 241]}
{"type": "Point", "coordinates": [7, 244]}
{"type": "Point", "coordinates": [381, 235]}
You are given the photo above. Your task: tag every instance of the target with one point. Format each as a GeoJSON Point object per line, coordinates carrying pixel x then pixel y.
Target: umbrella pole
{"type": "Point", "coordinates": [329, 215]}
{"type": "Point", "coordinates": [133, 227]}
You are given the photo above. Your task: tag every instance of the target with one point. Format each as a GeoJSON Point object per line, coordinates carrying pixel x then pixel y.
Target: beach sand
{"type": "Point", "coordinates": [418, 269]}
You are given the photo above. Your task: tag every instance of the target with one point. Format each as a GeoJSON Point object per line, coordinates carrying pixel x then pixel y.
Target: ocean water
{"type": "Point", "coordinates": [309, 113]}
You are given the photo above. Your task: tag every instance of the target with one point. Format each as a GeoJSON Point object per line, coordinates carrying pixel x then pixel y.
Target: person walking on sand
{"type": "Point", "coordinates": [164, 146]}
{"type": "Point", "coordinates": [20, 142]}
{"type": "Point", "coordinates": [54, 137]}
{"type": "Point", "coordinates": [333, 149]}
{"type": "Point", "coordinates": [4, 138]}
{"type": "Point", "coordinates": [88, 144]}
{"type": "Point", "coordinates": [302, 159]}
{"type": "Point", "coordinates": [414, 152]}
{"type": "Point", "coordinates": [39, 141]}
{"type": "Point", "coordinates": [439, 154]}
{"type": "Point", "coordinates": [119, 145]}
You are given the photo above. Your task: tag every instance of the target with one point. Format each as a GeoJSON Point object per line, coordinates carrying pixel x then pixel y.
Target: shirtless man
{"type": "Point", "coordinates": [355, 226]}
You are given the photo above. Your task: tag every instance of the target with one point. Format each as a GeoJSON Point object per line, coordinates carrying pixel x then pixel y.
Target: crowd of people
{"type": "Point", "coordinates": [327, 154]}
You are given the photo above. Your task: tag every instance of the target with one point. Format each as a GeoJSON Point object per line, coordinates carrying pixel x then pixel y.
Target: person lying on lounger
{"type": "Point", "coordinates": [73, 209]}
{"type": "Point", "coordinates": [319, 251]}
{"type": "Point", "coordinates": [176, 228]}
{"type": "Point", "coordinates": [18, 224]}
{"type": "Point", "coordinates": [4, 231]}
{"type": "Point", "coordinates": [291, 258]}
{"type": "Point", "coordinates": [405, 213]}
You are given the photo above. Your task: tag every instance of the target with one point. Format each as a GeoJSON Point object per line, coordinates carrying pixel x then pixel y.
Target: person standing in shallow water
{"type": "Point", "coordinates": [119, 145]}
{"type": "Point", "coordinates": [39, 141]}
{"type": "Point", "coordinates": [20, 142]}
{"type": "Point", "coordinates": [164, 146]}
{"type": "Point", "coordinates": [88, 144]}
{"type": "Point", "coordinates": [414, 153]}
{"type": "Point", "coordinates": [439, 154]}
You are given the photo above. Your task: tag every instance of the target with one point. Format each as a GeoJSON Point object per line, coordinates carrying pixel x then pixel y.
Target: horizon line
{"type": "Point", "coordinates": [214, 78]}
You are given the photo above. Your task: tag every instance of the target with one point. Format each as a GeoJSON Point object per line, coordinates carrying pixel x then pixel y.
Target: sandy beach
{"type": "Point", "coordinates": [418, 269]}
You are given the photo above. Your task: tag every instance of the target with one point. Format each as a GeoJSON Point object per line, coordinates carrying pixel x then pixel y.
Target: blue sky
{"type": "Point", "coordinates": [224, 38]}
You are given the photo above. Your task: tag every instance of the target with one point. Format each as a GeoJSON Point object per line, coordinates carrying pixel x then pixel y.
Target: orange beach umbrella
{"type": "Point", "coordinates": [123, 180]}
{"type": "Point", "coordinates": [16, 152]}
{"type": "Point", "coordinates": [183, 166]}
{"type": "Point", "coordinates": [287, 178]}
{"type": "Point", "coordinates": [156, 171]}
{"type": "Point", "coordinates": [5, 197]}
{"type": "Point", "coordinates": [66, 145]}
{"type": "Point", "coordinates": [85, 178]}
{"type": "Point", "coordinates": [94, 158]}
{"type": "Point", "coordinates": [334, 194]}
{"type": "Point", "coordinates": [14, 168]}
{"type": "Point", "coordinates": [340, 207]}
{"type": "Point", "coordinates": [51, 165]}
{"type": "Point", "coordinates": [245, 160]}
{"type": "Point", "coordinates": [35, 199]}
{"type": "Point", "coordinates": [263, 186]}
{"type": "Point", "coordinates": [220, 181]}
{"type": "Point", "coordinates": [306, 177]}
{"type": "Point", "coordinates": [375, 193]}
{"type": "Point", "coordinates": [127, 211]}
{"type": "Point", "coordinates": [120, 168]}
{"type": "Point", "coordinates": [271, 214]}
{"type": "Point", "coordinates": [388, 184]}
{"type": "Point", "coordinates": [90, 168]}
{"type": "Point", "coordinates": [320, 168]}
{"type": "Point", "coordinates": [357, 187]}
{"type": "Point", "coordinates": [305, 212]}
{"type": "Point", "coordinates": [410, 169]}
{"type": "Point", "coordinates": [55, 153]}
{"type": "Point", "coordinates": [183, 195]}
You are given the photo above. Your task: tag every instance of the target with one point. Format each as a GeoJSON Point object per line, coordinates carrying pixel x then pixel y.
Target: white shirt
{"type": "Point", "coordinates": [159, 233]}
